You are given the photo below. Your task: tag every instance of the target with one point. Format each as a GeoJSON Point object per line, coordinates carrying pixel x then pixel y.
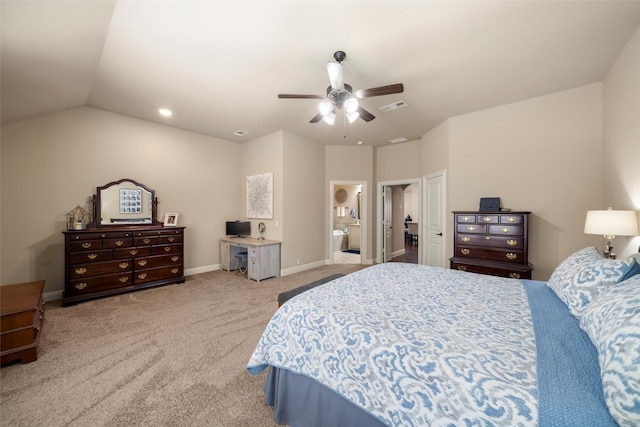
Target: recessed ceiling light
{"type": "Point", "coordinates": [165, 112]}
{"type": "Point", "coordinates": [396, 140]}
{"type": "Point", "coordinates": [240, 133]}
{"type": "Point", "coordinates": [360, 142]}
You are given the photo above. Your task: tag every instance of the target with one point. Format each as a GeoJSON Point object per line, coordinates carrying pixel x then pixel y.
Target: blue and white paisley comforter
{"type": "Point", "coordinates": [413, 345]}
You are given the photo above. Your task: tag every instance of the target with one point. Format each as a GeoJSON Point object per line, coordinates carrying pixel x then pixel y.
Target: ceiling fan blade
{"type": "Point", "coordinates": [316, 118]}
{"type": "Point", "coordinates": [335, 75]}
{"type": "Point", "coordinates": [365, 115]}
{"type": "Point", "coordinates": [293, 96]}
{"type": "Point", "coordinates": [379, 91]}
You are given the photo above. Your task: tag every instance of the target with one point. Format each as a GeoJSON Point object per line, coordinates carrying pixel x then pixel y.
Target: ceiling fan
{"type": "Point", "coordinates": [341, 95]}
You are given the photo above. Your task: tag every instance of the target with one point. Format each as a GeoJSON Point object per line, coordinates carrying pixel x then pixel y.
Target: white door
{"type": "Point", "coordinates": [387, 216]}
{"type": "Point", "coordinates": [434, 251]}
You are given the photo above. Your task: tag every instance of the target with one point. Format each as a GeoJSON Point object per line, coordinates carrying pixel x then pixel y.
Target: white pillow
{"type": "Point", "coordinates": [584, 274]}
{"type": "Point", "coordinates": [612, 321]}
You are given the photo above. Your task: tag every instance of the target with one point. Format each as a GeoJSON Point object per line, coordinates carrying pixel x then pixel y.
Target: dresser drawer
{"type": "Point", "coordinates": [171, 239]}
{"type": "Point", "coordinates": [515, 257]}
{"type": "Point", "coordinates": [166, 249]}
{"type": "Point", "coordinates": [506, 230]}
{"type": "Point", "coordinates": [512, 219]}
{"type": "Point", "coordinates": [466, 219]}
{"type": "Point", "coordinates": [145, 240]}
{"type": "Point", "coordinates": [158, 261]}
{"type": "Point", "coordinates": [152, 274]}
{"type": "Point", "coordinates": [85, 245]}
{"type": "Point", "coordinates": [514, 242]}
{"type": "Point", "coordinates": [488, 219]}
{"type": "Point", "coordinates": [98, 283]}
{"type": "Point", "coordinates": [121, 242]}
{"type": "Point", "coordinates": [100, 268]}
{"type": "Point", "coordinates": [512, 273]}
{"type": "Point", "coordinates": [135, 251]}
{"type": "Point", "coordinates": [90, 256]}
{"type": "Point", "coordinates": [472, 228]}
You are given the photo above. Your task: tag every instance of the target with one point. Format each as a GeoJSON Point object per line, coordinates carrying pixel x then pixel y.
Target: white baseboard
{"type": "Point", "coordinates": [52, 296]}
{"type": "Point", "coordinates": [300, 268]}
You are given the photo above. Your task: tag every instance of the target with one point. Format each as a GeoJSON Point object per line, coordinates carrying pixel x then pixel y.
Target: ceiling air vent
{"type": "Point", "coordinates": [240, 133]}
{"type": "Point", "coordinates": [396, 140]}
{"type": "Point", "coordinates": [394, 106]}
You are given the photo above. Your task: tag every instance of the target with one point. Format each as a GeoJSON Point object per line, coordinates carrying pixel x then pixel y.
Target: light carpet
{"type": "Point", "coordinates": [168, 356]}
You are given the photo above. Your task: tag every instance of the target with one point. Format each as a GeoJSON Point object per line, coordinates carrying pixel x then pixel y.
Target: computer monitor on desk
{"type": "Point", "coordinates": [238, 228]}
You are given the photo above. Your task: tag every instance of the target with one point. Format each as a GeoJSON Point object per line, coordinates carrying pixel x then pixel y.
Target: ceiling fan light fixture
{"type": "Point", "coordinates": [329, 118]}
{"type": "Point", "coordinates": [325, 108]}
{"type": "Point", "coordinates": [351, 105]}
{"type": "Point", "coordinates": [353, 116]}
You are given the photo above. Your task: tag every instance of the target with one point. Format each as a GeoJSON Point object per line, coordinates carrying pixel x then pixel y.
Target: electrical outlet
{"type": "Point", "coordinates": [298, 261]}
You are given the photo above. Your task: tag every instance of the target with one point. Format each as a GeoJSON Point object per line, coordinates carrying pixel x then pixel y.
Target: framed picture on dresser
{"type": "Point", "coordinates": [170, 219]}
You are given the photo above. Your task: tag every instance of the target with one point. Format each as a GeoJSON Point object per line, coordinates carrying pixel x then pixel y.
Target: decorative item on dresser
{"type": "Point", "coordinates": [22, 314]}
{"type": "Point", "coordinates": [125, 250]}
{"type": "Point", "coordinates": [494, 243]}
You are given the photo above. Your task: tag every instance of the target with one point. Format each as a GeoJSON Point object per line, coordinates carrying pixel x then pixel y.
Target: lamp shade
{"type": "Point", "coordinates": [612, 223]}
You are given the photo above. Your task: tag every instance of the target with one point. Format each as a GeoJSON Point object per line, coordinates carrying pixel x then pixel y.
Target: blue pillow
{"type": "Point", "coordinates": [584, 274]}
{"type": "Point", "coordinates": [612, 321]}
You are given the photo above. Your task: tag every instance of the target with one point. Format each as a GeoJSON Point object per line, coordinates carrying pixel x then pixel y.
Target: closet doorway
{"type": "Point", "coordinates": [347, 222]}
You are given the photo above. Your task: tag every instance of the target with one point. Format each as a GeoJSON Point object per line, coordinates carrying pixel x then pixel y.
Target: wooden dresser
{"type": "Point", "coordinates": [494, 243]}
{"type": "Point", "coordinates": [111, 260]}
{"type": "Point", "coordinates": [22, 310]}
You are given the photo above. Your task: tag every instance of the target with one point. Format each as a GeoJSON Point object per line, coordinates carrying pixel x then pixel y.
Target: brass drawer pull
{"type": "Point", "coordinates": [142, 276]}
{"type": "Point", "coordinates": [466, 218]}
{"type": "Point", "coordinates": [514, 275]}
{"type": "Point", "coordinates": [462, 267]}
{"type": "Point", "coordinates": [470, 227]}
{"type": "Point", "coordinates": [124, 279]}
{"type": "Point", "coordinates": [142, 263]}
{"type": "Point", "coordinates": [81, 270]}
{"type": "Point", "coordinates": [466, 239]}
{"type": "Point", "coordinates": [167, 248]}
{"type": "Point", "coordinates": [123, 265]}
{"type": "Point", "coordinates": [133, 251]}
{"type": "Point", "coordinates": [511, 219]}
{"type": "Point", "coordinates": [465, 251]}
{"type": "Point", "coordinates": [511, 255]}
{"type": "Point", "coordinates": [171, 239]}
{"type": "Point", "coordinates": [92, 256]}
{"type": "Point", "coordinates": [81, 286]}
{"type": "Point", "coordinates": [175, 270]}
{"type": "Point", "coordinates": [86, 245]}
{"type": "Point", "coordinates": [505, 229]}
{"type": "Point", "coordinates": [175, 258]}
{"type": "Point", "coordinates": [119, 243]}
{"type": "Point", "coordinates": [488, 218]}
{"type": "Point", "coordinates": [147, 240]}
{"type": "Point", "coordinates": [512, 242]}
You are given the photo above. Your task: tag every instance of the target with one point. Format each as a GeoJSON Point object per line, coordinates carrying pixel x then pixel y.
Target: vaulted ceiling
{"type": "Point", "coordinates": [219, 65]}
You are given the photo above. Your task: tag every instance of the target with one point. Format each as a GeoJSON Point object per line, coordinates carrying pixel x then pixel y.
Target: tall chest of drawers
{"type": "Point", "coordinates": [494, 243]}
{"type": "Point", "coordinates": [107, 261]}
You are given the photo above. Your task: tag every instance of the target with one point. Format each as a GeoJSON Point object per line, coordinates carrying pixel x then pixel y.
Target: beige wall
{"type": "Point", "coordinates": [304, 204]}
{"type": "Point", "coordinates": [540, 155]}
{"type": "Point", "coordinates": [54, 162]}
{"type": "Point", "coordinates": [621, 154]}
{"type": "Point", "coordinates": [399, 161]}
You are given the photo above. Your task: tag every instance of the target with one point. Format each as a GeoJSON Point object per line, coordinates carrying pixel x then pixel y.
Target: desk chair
{"type": "Point", "coordinates": [241, 262]}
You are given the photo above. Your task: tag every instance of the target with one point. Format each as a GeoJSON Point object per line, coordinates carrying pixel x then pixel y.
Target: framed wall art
{"type": "Point", "coordinates": [260, 196]}
{"type": "Point", "coordinates": [130, 201]}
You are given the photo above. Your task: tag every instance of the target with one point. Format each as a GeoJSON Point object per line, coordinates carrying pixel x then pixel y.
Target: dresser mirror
{"type": "Point", "coordinates": [125, 202]}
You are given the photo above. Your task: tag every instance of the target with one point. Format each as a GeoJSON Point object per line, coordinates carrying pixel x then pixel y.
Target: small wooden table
{"type": "Point", "coordinates": [22, 314]}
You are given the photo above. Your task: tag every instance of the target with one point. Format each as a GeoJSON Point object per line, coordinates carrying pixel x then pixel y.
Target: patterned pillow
{"type": "Point", "coordinates": [580, 277]}
{"type": "Point", "coordinates": [612, 321]}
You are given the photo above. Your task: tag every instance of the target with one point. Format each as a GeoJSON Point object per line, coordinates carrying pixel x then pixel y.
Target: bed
{"type": "Point", "coordinates": [409, 345]}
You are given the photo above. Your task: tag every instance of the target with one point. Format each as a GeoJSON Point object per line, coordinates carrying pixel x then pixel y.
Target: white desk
{"type": "Point", "coordinates": [263, 256]}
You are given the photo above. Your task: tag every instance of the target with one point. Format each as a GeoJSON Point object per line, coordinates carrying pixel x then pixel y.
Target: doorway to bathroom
{"type": "Point", "coordinates": [347, 222]}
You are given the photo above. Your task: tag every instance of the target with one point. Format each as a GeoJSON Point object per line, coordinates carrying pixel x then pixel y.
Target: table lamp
{"type": "Point", "coordinates": [610, 224]}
